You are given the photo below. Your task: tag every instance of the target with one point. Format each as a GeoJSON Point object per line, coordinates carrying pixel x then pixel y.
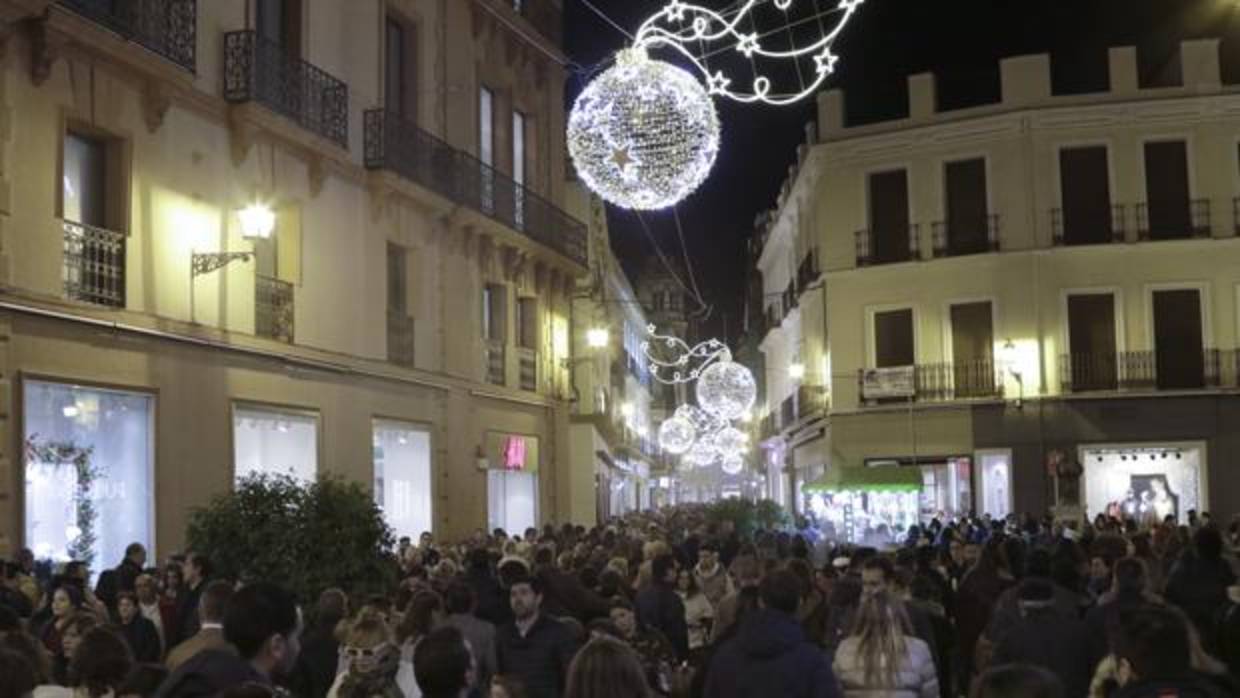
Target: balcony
{"type": "Point", "coordinates": [977, 379]}
{"type": "Point", "coordinates": [870, 253]}
{"type": "Point", "coordinates": [1148, 371]}
{"type": "Point", "coordinates": [167, 28]}
{"type": "Point", "coordinates": [493, 359]}
{"type": "Point", "coordinates": [401, 147]}
{"type": "Point", "coordinates": [808, 271]}
{"type": "Point", "coordinates": [1101, 231]}
{"type": "Point", "coordinates": [1189, 219]}
{"type": "Point", "coordinates": [400, 338]}
{"type": "Point", "coordinates": [93, 267]}
{"type": "Point", "coordinates": [273, 309]}
{"type": "Point", "coordinates": [527, 369]}
{"type": "Point", "coordinates": [259, 70]}
{"type": "Point", "coordinates": [960, 238]}
{"type": "Point", "coordinates": [791, 300]}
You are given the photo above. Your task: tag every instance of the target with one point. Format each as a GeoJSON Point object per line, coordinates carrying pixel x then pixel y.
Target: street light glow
{"type": "Point", "coordinates": [597, 337]}
{"type": "Point", "coordinates": [257, 221]}
{"type": "Point", "coordinates": [796, 371]}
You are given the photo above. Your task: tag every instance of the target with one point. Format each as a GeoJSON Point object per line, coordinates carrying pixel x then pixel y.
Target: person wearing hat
{"type": "Point", "coordinates": [1042, 637]}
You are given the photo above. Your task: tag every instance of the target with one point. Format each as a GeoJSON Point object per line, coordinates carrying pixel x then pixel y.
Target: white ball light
{"type": "Point", "coordinates": [702, 454]}
{"type": "Point", "coordinates": [644, 133]}
{"type": "Point", "coordinates": [676, 435]}
{"type": "Point", "coordinates": [731, 441]}
{"type": "Point", "coordinates": [726, 389]}
{"type": "Point", "coordinates": [733, 465]}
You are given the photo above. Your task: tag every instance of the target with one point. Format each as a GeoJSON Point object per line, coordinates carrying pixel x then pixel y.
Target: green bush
{"type": "Point", "coordinates": [307, 537]}
{"type": "Point", "coordinates": [748, 517]}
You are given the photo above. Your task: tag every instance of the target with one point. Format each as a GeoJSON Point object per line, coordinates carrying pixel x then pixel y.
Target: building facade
{"type": "Point", "coordinates": [285, 237]}
{"type": "Point", "coordinates": [1035, 302]}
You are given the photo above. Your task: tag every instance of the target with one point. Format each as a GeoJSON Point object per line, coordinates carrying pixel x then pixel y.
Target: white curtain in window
{"type": "Point", "coordinates": [274, 442]}
{"type": "Point", "coordinates": [402, 455]}
{"type": "Point", "coordinates": [512, 498]}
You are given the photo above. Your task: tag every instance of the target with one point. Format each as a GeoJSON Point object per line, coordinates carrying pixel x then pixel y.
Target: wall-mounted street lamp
{"type": "Point", "coordinates": [1009, 355]}
{"type": "Point", "coordinates": [257, 223]}
{"type": "Point", "coordinates": [597, 337]}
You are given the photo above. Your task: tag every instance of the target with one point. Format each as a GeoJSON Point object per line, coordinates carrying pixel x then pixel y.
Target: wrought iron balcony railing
{"type": "Point", "coordinates": [527, 369]}
{"type": "Point", "coordinates": [1146, 370]}
{"type": "Point", "coordinates": [809, 270]}
{"type": "Point", "coordinates": [1072, 231]}
{"type": "Point", "coordinates": [959, 238]}
{"type": "Point", "coordinates": [397, 145]}
{"type": "Point", "coordinates": [168, 28]}
{"type": "Point", "coordinates": [259, 70]}
{"type": "Point", "coordinates": [941, 382]}
{"type": "Point", "coordinates": [400, 338]}
{"type": "Point", "coordinates": [1189, 219]}
{"type": "Point", "coordinates": [94, 265]}
{"type": "Point", "coordinates": [870, 252]}
{"type": "Point", "coordinates": [273, 309]}
{"type": "Point", "coordinates": [494, 359]}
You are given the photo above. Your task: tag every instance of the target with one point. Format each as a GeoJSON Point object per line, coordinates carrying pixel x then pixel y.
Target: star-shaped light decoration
{"type": "Point", "coordinates": [850, 5]}
{"type": "Point", "coordinates": [717, 84]}
{"type": "Point", "coordinates": [825, 61]}
{"type": "Point", "coordinates": [748, 44]}
{"type": "Point", "coordinates": [675, 11]}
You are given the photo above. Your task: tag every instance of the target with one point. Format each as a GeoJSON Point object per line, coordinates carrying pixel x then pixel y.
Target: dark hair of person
{"type": "Point", "coordinates": [332, 607]}
{"type": "Point", "coordinates": [73, 591]}
{"type": "Point", "coordinates": [19, 677]}
{"type": "Point", "coordinates": [32, 651]}
{"type": "Point", "coordinates": [604, 626]}
{"type": "Point", "coordinates": [1129, 576]}
{"type": "Point", "coordinates": [9, 620]}
{"type": "Point", "coordinates": [143, 681]}
{"type": "Point", "coordinates": [1155, 643]}
{"type": "Point", "coordinates": [133, 549]}
{"type": "Point", "coordinates": [1208, 543]}
{"type": "Point", "coordinates": [619, 602]}
{"type": "Point", "coordinates": [477, 560]}
{"type": "Point", "coordinates": [661, 565]}
{"type": "Point", "coordinates": [419, 616]}
{"type": "Point", "coordinates": [81, 622]}
{"type": "Point", "coordinates": [511, 572]}
{"type": "Point", "coordinates": [1017, 681]}
{"type": "Point", "coordinates": [441, 662]}
{"type": "Point", "coordinates": [101, 662]}
{"type": "Point", "coordinates": [203, 563]}
{"type": "Point", "coordinates": [257, 612]}
{"type": "Point", "coordinates": [214, 601]}
{"type": "Point", "coordinates": [781, 591]}
{"type": "Point", "coordinates": [694, 588]}
{"type": "Point", "coordinates": [534, 583]}
{"type": "Point", "coordinates": [126, 596]}
{"type": "Point", "coordinates": [460, 598]}
{"type": "Point", "coordinates": [544, 555]}
{"type": "Point", "coordinates": [883, 564]}
{"type": "Point", "coordinates": [606, 668]}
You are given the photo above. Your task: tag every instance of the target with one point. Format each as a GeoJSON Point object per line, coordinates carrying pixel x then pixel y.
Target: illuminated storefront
{"type": "Point", "coordinates": [275, 441]}
{"type": "Point", "coordinates": [511, 461]}
{"type": "Point", "coordinates": [871, 506]}
{"type": "Point", "coordinates": [402, 455]}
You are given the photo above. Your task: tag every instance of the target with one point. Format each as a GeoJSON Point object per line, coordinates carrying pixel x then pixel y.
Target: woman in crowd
{"type": "Point", "coordinates": [375, 669]}
{"type": "Point", "coordinates": [699, 614]}
{"type": "Point", "coordinates": [881, 656]}
{"type": "Point", "coordinates": [64, 602]}
{"type": "Point", "coordinates": [425, 613]}
{"type": "Point", "coordinates": [137, 630]}
{"type": "Point", "coordinates": [101, 663]}
{"type": "Point", "coordinates": [76, 628]}
{"type": "Point", "coordinates": [170, 597]}
{"type": "Point", "coordinates": [606, 668]}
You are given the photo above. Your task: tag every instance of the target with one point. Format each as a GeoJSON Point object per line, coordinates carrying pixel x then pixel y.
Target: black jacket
{"type": "Point", "coordinates": [493, 605]}
{"type": "Point", "coordinates": [540, 659]}
{"type": "Point", "coordinates": [208, 673]}
{"type": "Point", "coordinates": [1199, 587]}
{"type": "Point", "coordinates": [1229, 637]}
{"type": "Point", "coordinates": [660, 607]}
{"type": "Point", "coordinates": [1056, 643]}
{"type": "Point", "coordinates": [315, 670]}
{"type": "Point", "coordinates": [114, 581]}
{"type": "Point", "coordinates": [143, 639]}
{"type": "Point", "coordinates": [769, 656]}
{"type": "Point", "coordinates": [565, 595]}
{"type": "Point", "coordinates": [187, 622]}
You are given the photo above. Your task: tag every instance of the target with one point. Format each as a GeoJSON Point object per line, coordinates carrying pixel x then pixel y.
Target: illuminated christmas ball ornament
{"type": "Point", "coordinates": [733, 465]}
{"type": "Point", "coordinates": [701, 454]}
{"type": "Point", "coordinates": [676, 435]}
{"type": "Point", "coordinates": [644, 133]}
{"type": "Point", "coordinates": [731, 441]}
{"type": "Point", "coordinates": [726, 389]}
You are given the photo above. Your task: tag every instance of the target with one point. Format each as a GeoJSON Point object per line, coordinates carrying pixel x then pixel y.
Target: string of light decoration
{"type": "Point", "coordinates": [725, 390]}
{"type": "Point", "coordinates": [644, 134]}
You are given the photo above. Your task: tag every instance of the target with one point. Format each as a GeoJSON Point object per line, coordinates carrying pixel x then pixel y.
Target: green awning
{"type": "Point", "coordinates": [881, 479]}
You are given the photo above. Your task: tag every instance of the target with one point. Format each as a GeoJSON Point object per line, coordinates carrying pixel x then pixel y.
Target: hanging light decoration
{"type": "Point", "coordinates": [644, 134]}
{"type": "Point", "coordinates": [731, 441]}
{"type": "Point", "coordinates": [726, 389]}
{"type": "Point", "coordinates": [732, 465]}
{"type": "Point", "coordinates": [677, 434]}
{"type": "Point", "coordinates": [702, 454]}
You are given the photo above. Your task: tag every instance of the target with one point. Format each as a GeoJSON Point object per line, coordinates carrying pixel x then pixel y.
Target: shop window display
{"type": "Point", "coordinates": [867, 506]}
{"type": "Point", "coordinates": [274, 442]}
{"type": "Point", "coordinates": [402, 455]}
{"type": "Point", "coordinates": [89, 460]}
{"type": "Point", "coordinates": [1147, 483]}
{"type": "Point", "coordinates": [512, 462]}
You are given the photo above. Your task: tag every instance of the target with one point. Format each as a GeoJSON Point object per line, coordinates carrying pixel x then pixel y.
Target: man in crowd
{"type": "Point", "coordinates": [210, 636]}
{"type": "Point", "coordinates": [263, 625]}
{"type": "Point", "coordinates": [770, 655]}
{"type": "Point", "coordinates": [113, 582]}
{"type": "Point", "coordinates": [443, 665]}
{"type": "Point", "coordinates": [712, 578]}
{"type": "Point", "coordinates": [462, 606]}
{"type": "Point", "coordinates": [748, 574]}
{"type": "Point", "coordinates": [1044, 637]}
{"type": "Point", "coordinates": [195, 571]}
{"type": "Point", "coordinates": [147, 593]}
{"type": "Point", "coordinates": [661, 608]}
{"type": "Point", "coordinates": [1155, 658]}
{"type": "Point", "coordinates": [533, 647]}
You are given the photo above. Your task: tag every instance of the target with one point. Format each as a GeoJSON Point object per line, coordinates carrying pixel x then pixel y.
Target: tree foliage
{"type": "Point", "coordinates": [748, 517]}
{"type": "Point", "coordinates": [305, 536]}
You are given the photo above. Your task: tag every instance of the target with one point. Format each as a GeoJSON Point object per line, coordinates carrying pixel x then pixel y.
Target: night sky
{"type": "Point", "coordinates": [960, 41]}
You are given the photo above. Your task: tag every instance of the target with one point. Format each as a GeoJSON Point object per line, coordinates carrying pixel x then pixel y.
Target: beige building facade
{"type": "Point", "coordinates": [404, 323]}
{"type": "Point", "coordinates": [1034, 301]}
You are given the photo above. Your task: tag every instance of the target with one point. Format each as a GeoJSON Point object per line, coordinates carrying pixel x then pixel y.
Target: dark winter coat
{"type": "Point", "coordinates": [540, 659]}
{"type": "Point", "coordinates": [1229, 633]}
{"type": "Point", "coordinates": [315, 670]}
{"type": "Point", "coordinates": [1199, 587]}
{"type": "Point", "coordinates": [493, 604]}
{"type": "Point", "coordinates": [770, 656]}
{"type": "Point", "coordinates": [660, 607]}
{"type": "Point", "coordinates": [143, 639]}
{"type": "Point", "coordinates": [187, 621]}
{"type": "Point", "coordinates": [1052, 641]}
{"type": "Point", "coordinates": [209, 673]}
{"type": "Point", "coordinates": [565, 595]}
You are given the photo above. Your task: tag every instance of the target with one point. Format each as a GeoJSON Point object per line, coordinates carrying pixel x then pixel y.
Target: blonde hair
{"type": "Point", "coordinates": [368, 631]}
{"type": "Point", "coordinates": [881, 629]}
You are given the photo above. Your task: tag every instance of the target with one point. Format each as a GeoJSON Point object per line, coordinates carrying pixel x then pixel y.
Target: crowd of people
{"type": "Point", "coordinates": [668, 603]}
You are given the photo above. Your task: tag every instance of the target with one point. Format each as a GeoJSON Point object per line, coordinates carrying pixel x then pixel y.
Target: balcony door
{"type": "Point", "coordinates": [1085, 181]}
{"type": "Point", "coordinates": [968, 211]}
{"type": "Point", "coordinates": [1167, 190]}
{"type": "Point", "coordinates": [1092, 359]}
{"type": "Point", "coordinates": [973, 343]}
{"type": "Point", "coordinates": [889, 219]}
{"type": "Point", "coordinates": [893, 339]}
{"type": "Point", "coordinates": [1179, 350]}
{"type": "Point", "coordinates": [279, 23]}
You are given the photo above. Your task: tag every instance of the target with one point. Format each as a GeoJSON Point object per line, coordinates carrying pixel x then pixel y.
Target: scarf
{"type": "Point", "coordinates": [379, 682]}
